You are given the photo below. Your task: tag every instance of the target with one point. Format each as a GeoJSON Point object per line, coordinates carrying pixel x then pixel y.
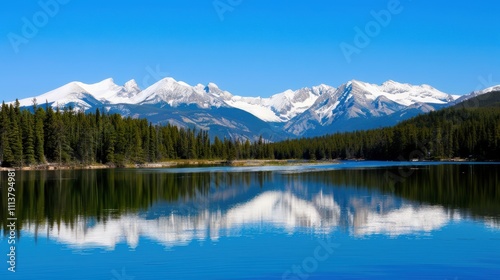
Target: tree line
{"type": "Point", "coordinates": [444, 134]}
{"type": "Point", "coordinates": [47, 135]}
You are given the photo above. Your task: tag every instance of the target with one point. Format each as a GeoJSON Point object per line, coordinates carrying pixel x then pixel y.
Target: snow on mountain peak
{"type": "Point", "coordinates": [290, 103]}
{"type": "Point", "coordinates": [321, 88]}
{"type": "Point", "coordinates": [213, 90]}
{"type": "Point", "coordinates": [357, 99]}
{"type": "Point", "coordinates": [476, 93]}
{"type": "Point", "coordinates": [404, 94]}
{"type": "Point", "coordinates": [174, 93]}
{"type": "Point", "coordinates": [104, 89]}
{"type": "Point", "coordinates": [322, 103]}
{"type": "Point", "coordinates": [391, 83]}
{"type": "Point", "coordinates": [212, 85]}
{"type": "Point", "coordinates": [131, 85]}
{"type": "Point", "coordinates": [108, 81]}
{"type": "Point", "coordinates": [489, 89]}
{"type": "Point", "coordinates": [280, 107]}
{"type": "Point", "coordinates": [168, 80]}
{"type": "Point", "coordinates": [70, 93]}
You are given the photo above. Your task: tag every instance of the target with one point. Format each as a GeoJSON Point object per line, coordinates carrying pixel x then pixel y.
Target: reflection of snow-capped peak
{"type": "Point", "coordinates": [405, 220]}
{"type": "Point", "coordinates": [280, 209]}
{"type": "Point", "coordinates": [492, 223]}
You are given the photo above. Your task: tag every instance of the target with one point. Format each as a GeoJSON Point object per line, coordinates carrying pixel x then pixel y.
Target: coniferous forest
{"type": "Point", "coordinates": [444, 134]}
{"type": "Point", "coordinates": [45, 135]}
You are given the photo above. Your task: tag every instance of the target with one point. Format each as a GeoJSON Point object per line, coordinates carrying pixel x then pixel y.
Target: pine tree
{"type": "Point", "coordinates": [15, 134]}
{"type": "Point", "coordinates": [6, 155]}
{"type": "Point", "coordinates": [168, 142]}
{"type": "Point", "coordinates": [28, 138]}
{"type": "Point", "coordinates": [85, 147]}
{"type": "Point", "coordinates": [109, 140]}
{"type": "Point", "coordinates": [50, 137]}
{"type": "Point", "coordinates": [152, 143]}
{"type": "Point", "coordinates": [39, 135]}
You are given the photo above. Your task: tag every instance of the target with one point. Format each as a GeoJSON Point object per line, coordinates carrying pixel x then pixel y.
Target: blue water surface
{"type": "Point", "coordinates": [285, 222]}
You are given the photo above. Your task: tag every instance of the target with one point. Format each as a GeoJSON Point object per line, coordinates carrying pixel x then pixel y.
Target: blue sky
{"type": "Point", "coordinates": [248, 47]}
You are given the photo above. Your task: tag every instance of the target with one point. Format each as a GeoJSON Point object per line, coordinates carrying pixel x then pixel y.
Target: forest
{"type": "Point", "coordinates": [445, 134]}
{"type": "Point", "coordinates": [44, 135]}
{"type": "Point", "coordinates": [63, 136]}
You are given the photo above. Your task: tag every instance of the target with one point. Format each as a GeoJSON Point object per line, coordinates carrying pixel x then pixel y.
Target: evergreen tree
{"type": "Point", "coordinates": [39, 135]}
{"type": "Point", "coordinates": [28, 141]}
{"type": "Point", "coordinates": [6, 155]}
{"type": "Point", "coordinates": [153, 145]}
{"type": "Point", "coordinates": [15, 134]}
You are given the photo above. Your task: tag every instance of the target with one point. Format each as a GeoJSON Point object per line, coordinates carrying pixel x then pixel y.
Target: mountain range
{"type": "Point", "coordinates": [305, 112]}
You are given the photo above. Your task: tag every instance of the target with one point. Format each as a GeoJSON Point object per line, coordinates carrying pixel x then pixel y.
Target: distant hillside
{"type": "Point", "coordinates": [491, 99]}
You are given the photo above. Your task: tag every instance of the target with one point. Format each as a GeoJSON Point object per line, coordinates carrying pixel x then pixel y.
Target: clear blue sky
{"type": "Point", "coordinates": [257, 48]}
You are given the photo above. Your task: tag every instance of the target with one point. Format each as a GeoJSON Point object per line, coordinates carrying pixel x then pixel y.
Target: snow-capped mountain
{"type": "Point", "coordinates": [366, 106]}
{"type": "Point", "coordinates": [174, 93]}
{"type": "Point", "coordinates": [476, 93]}
{"type": "Point", "coordinates": [86, 96]}
{"type": "Point", "coordinates": [166, 101]}
{"type": "Point", "coordinates": [280, 107]}
{"type": "Point", "coordinates": [305, 112]}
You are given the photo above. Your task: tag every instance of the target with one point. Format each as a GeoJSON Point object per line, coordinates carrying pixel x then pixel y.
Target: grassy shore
{"type": "Point", "coordinates": [196, 163]}
{"type": "Point", "coordinates": [175, 163]}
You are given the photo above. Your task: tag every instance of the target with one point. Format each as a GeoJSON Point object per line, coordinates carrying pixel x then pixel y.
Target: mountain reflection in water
{"type": "Point", "coordinates": [281, 210]}
{"type": "Point", "coordinates": [102, 208]}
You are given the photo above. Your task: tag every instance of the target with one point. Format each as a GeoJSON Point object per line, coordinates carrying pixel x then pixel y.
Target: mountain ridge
{"type": "Point", "coordinates": [308, 111]}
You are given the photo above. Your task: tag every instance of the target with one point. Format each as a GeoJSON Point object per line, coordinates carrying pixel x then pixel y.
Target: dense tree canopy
{"type": "Point", "coordinates": [448, 133]}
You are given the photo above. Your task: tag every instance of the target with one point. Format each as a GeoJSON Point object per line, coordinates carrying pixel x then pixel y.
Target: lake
{"type": "Point", "coordinates": [353, 220]}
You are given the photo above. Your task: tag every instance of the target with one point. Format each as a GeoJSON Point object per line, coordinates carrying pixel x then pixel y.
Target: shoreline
{"type": "Point", "coordinates": [205, 162]}
{"type": "Point", "coordinates": [175, 164]}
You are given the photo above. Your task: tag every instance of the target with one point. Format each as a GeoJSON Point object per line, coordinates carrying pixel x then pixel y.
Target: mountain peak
{"type": "Point", "coordinates": [165, 81]}
{"type": "Point", "coordinates": [391, 83]}
{"type": "Point", "coordinates": [212, 85]}
{"type": "Point", "coordinates": [489, 89]}
{"type": "Point", "coordinates": [320, 108]}
{"type": "Point", "coordinates": [355, 82]}
{"type": "Point", "coordinates": [322, 86]}
{"type": "Point", "coordinates": [102, 85]}
{"type": "Point", "coordinates": [129, 90]}
{"type": "Point", "coordinates": [107, 81]}
{"type": "Point", "coordinates": [212, 88]}
{"type": "Point", "coordinates": [169, 80]}
{"type": "Point", "coordinates": [131, 84]}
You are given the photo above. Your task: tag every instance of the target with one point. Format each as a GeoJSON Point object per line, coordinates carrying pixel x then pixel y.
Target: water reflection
{"type": "Point", "coordinates": [107, 207]}
{"type": "Point", "coordinates": [405, 220]}
{"type": "Point", "coordinates": [273, 208]}
{"type": "Point", "coordinates": [280, 210]}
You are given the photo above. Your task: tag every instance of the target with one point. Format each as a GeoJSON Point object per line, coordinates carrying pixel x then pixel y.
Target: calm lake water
{"type": "Point", "coordinates": [353, 220]}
